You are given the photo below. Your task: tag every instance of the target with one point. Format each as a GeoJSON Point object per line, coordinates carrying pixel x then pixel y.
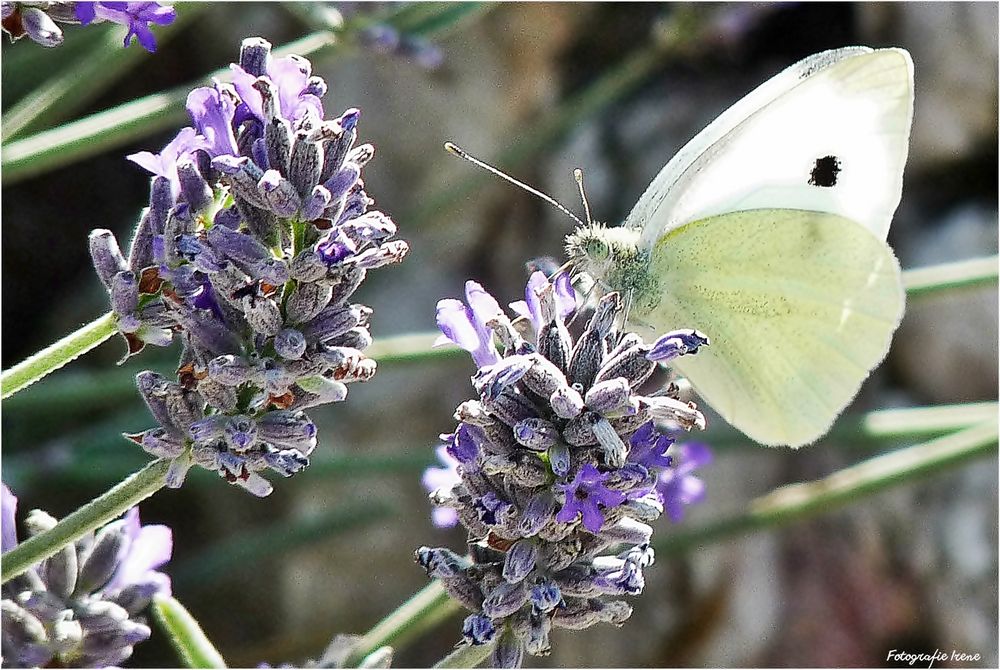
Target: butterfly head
{"type": "Point", "coordinates": [597, 249]}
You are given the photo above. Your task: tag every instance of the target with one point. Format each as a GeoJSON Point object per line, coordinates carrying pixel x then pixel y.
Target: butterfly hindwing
{"type": "Point", "coordinates": [800, 306]}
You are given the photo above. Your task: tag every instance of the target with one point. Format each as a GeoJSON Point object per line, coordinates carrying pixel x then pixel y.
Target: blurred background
{"type": "Point", "coordinates": [538, 89]}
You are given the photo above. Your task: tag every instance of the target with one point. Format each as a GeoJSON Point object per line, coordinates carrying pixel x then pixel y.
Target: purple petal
{"type": "Point", "coordinates": [565, 295]}
{"type": "Point", "coordinates": [677, 343]}
{"type": "Point", "coordinates": [569, 510]}
{"type": "Point", "coordinates": [593, 519]}
{"type": "Point", "coordinates": [536, 282]}
{"type": "Point", "coordinates": [243, 83]}
{"type": "Point", "coordinates": [212, 114]}
{"type": "Point", "coordinates": [288, 76]}
{"type": "Point", "coordinates": [444, 517]}
{"type": "Point", "coordinates": [85, 12]}
{"type": "Point", "coordinates": [150, 548]}
{"type": "Point", "coordinates": [454, 320]}
{"type": "Point", "coordinates": [8, 507]}
{"type": "Point", "coordinates": [484, 306]}
{"type": "Point", "coordinates": [696, 454]}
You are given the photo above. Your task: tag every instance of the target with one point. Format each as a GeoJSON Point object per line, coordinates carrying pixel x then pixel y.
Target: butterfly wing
{"type": "Point", "coordinates": [800, 306]}
{"type": "Point", "coordinates": [828, 134]}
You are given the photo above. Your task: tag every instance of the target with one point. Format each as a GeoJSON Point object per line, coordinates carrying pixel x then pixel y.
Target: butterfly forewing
{"type": "Point", "coordinates": [828, 134]}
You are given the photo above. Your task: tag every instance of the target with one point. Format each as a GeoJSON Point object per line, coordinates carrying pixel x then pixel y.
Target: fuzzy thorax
{"type": "Point", "coordinates": [612, 257]}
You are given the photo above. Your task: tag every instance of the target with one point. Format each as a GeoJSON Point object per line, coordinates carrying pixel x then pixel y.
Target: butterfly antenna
{"type": "Point", "coordinates": [578, 175]}
{"type": "Point", "coordinates": [458, 151]}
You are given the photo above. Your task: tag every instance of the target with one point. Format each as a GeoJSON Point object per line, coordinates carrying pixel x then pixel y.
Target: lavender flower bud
{"type": "Point", "coordinates": [231, 370]}
{"type": "Point", "coordinates": [279, 193]}
{"type": "Point", "coordinates": [263, 315]}
{"type": "Point", "coordinates": [520, 560]}
{"type": "Point", "coordinates": [505, 599]}
{"type": "Point", "coordinates": [508, 652]}
{"type": "Point", "coordinates": [196, 191]}
{"type": "Point", "coordinates": [559, 459]}
{"type": "Point", "coordinates": [478, 629]}
{"type": "Point", "coordinates": [110, 546]}
{"type": "Point", "coordinates": [40, 28]}
{"type": "Point", "coordinates": [106, 255]}
{"type": "Point", "coordinates": [306, 301]}
{"type": "Point", "coordinates": [567, 403]}
{"type": "Point", "coordinates": [305, 165]}
{"type": "Point", "coordinates": [607, 396]}
{"type": "Point", "coordinates": [677, 343]}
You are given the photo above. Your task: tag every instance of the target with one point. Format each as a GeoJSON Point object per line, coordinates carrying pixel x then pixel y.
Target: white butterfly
{"type": "Point", "coordinates": [767, 232]}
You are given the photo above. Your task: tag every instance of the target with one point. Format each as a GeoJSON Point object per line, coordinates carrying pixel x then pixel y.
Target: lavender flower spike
{"type": "Point", "coordinates": [250, 260]}
{"type": "Point", "coordinates": [81, 607]}
{"type": "Point", "coordinates": [556, 468]}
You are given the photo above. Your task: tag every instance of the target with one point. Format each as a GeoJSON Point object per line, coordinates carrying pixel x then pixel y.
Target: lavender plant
{"type": "Point", "coordinates": [39, 20]}
{"type": "Point", "coordinates": [560, 467]}
{"type": "Point", "coordinates": [257, 234]}
{"type": "Point", "coordinates": [81, 608]}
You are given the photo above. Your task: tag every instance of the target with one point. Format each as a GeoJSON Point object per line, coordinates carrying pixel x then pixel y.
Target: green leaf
{"type": "Point", "coordinates": [193, 647]}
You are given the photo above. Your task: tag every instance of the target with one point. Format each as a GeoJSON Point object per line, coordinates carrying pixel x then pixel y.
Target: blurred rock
{"type": "Point", "coordinates": [954, 49]}
{"type": "Point", "coordinates": [946, 347]}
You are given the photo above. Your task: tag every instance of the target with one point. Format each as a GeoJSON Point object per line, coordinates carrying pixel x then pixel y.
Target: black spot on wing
{"type": "Point", "coordinates": [824, 172]}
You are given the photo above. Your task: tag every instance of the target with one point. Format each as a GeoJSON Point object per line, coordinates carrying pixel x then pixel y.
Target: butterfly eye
{"type": "Point", "coordinates": [597, 249]}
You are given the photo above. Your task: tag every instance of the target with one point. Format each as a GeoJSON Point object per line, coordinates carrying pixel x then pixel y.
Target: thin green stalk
{"type": "Point", "coordinates": [56, 355]}
{"type": "Point", "coordinates": [797, 501]}
{"type": "Point", "coordinates": [944, 276]}
{"type": "Point", "coordinates": [467, 656]}
{"type": "Point", "coordinates": [97, 512]}
{"type": "Point", "coordinates": [423, 611]}
{"type": "Point", "coordinates": [186, 636]}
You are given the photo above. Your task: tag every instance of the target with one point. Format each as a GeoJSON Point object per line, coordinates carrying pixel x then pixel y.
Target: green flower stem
{"type": "Point", "coordinates": [466, 656]}
{"type": "Point", "coordinates": [186, 636]}
{"type": "Point", "coordinates": [97, 512]}
{"type": "Point", "coordinates": [966, 273]}
{"type": "Point", "coordinates": [56, 355]}
{"type": "Point", "coordinates": [423, 611]}
{"type": "Point", "coordinates": [410, 348]}
{"type": "Point", "coordinates": [798, 501]}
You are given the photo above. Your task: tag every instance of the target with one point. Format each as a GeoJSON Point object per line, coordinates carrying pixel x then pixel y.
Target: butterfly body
{"type": "Point", "coordinates": [767, 232]}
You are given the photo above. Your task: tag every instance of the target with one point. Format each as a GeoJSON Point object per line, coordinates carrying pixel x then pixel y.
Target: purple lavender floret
{"type": "Point", "coordinates": [81, 608]}
{"type": "Point", "coordinates": [556, 468]}
{"type": "Point", "coordinates": [38, 20]}
{"type": "Point", "coordinates": [258, 233]}
{"type": "Point", "coordinates": [136, 16]}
